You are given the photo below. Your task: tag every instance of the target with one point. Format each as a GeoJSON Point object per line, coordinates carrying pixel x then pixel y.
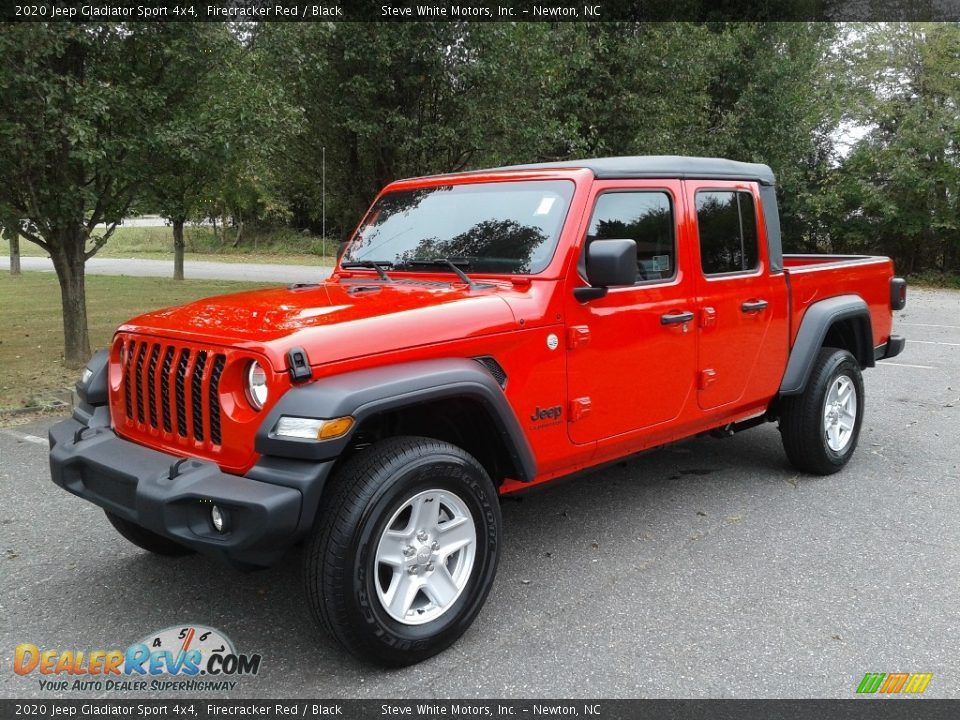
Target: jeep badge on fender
{"type": "Point", "coordinates": [549, 413]}
{"type": "Point", "coordinates": [377, 417]}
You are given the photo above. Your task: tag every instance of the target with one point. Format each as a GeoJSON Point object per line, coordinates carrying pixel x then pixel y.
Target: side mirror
{"type": "Point", "coordinates": [610, 263]}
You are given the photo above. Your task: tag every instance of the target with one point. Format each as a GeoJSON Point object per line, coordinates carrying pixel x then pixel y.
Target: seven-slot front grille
{"type": "Point", "coordinates": [173, 389]}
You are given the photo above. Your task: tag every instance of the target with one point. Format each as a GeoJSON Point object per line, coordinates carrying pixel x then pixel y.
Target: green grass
{"type": "Point", "coordinates": [934, 279]}
{"type": "Point", "coordinates": [268, 245]}
{"type": "Point", "coordinates": [31, 343]}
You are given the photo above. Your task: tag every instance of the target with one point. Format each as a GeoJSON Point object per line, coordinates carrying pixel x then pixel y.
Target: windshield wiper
{"type": "Point", "coordinates": [454, 265]}
{"type": "Point", "coordinates": [377, 265]}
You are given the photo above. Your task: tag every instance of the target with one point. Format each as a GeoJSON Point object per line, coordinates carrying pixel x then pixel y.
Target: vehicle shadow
{"type": "Point", "coordinates": [630, 514]}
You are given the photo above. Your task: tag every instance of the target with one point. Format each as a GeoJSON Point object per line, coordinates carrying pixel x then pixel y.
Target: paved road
{"type": "Point", "coordinates": [252, 272]}
{"type": "Point", "coordinates": [707, 569]}
{"type": "Point", "coordinates": [153, 221]}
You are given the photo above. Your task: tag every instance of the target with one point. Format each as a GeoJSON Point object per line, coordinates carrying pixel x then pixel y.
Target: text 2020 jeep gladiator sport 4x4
{"type": "Point", "coordinates": [482, 332]}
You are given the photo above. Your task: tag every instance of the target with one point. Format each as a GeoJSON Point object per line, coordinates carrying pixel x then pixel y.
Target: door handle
{"type": "Point", "coordinates": [752, 306]}
{"type": "Point", "coordinates": [676, 318]}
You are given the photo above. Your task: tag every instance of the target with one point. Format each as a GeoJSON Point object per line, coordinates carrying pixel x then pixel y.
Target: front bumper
{"type": "Point", "coordinates": [269, 509]}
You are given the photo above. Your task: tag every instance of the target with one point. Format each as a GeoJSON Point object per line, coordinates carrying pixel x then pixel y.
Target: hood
{"type": "Point", "coordinates": [335, 320]}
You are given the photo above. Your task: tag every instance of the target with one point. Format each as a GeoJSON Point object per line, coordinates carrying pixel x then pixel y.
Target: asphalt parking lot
{"type": "Point", "coordinates": [706, 569]}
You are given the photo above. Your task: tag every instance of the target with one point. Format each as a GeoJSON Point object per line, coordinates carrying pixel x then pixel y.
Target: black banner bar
{"type": "Point", "coordinates": [476, 10]}
{"type": "Point", "coordinates": [853, 709]}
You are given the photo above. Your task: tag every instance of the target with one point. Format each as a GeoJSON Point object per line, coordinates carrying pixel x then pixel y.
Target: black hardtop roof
{"type": "Point", "coordinates": [659, 166]}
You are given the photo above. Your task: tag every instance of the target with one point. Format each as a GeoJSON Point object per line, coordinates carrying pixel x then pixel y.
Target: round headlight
{"type": "Point", "coordinates": [256, 385]}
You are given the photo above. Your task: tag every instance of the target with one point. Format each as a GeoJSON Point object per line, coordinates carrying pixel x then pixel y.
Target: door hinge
{"type": "Point", "coordinates": [579, 409]}
{"type": "Point", "coordinates": [708, 317]}
{"type": "Point", "coordinates": [577, 336]}
{"type": "Point", "coordinates": [707, 378]}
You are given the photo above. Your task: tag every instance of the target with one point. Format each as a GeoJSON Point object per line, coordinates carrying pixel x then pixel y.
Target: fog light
{"type": "Point", "coordinates": [219, 519]}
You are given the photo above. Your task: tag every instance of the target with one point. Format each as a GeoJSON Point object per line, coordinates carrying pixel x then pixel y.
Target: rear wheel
{"type": "Point", "coordinates": [405, 550]}
{"type": "Point", "coordinates": [147, 539]}
{"type": "Point", "coordinates": [821, 426]}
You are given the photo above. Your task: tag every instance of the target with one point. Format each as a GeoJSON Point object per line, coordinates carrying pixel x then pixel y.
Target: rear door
{"type": "Point", "coordinates": [632, 354]}
{"type": "Point", "coordinates": [735, 295]}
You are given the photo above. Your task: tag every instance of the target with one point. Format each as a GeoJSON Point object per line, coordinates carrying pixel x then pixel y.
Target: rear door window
{"type": "Point", "coordinates": [727, 222]}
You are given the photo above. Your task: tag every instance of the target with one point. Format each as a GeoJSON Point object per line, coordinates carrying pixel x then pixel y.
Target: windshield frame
{"type": "Point", "coordinates": [572, 176]}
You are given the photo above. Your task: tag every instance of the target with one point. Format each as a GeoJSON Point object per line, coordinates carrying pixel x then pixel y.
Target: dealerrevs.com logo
{"type": "Point", "coordinates": [184, 658]}
{"type": "Point", "coordinates": [894, 683]}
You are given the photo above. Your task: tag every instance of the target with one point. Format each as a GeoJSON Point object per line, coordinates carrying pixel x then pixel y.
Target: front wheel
{"type": "Point", "coordinates": [404, 551]}
{"type": "Point", "coordinates": [821, 426]}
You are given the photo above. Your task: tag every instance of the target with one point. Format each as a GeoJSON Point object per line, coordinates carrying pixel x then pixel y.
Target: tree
{"type": "Point", "coordinates": [85, 111]}
{"type": "Point", "coordinates": [551, 92]}
{"type": "Point", "coordinates": [399, 99]}
{"type": "Point", "coordinates": [12, 234]}
{"type": "Point", "coordinates": [180, 179]}
{"type": "Point", "coordinates": [898, 191]}
{"type": "Point", "coordinates": [193, 145]}
{"type": "Point", "coordinates": [774, 98]}
{"type": "Point", "coordinates": [382, 101]}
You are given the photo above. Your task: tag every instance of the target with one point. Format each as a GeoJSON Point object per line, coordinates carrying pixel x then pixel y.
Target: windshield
{"type": "Point", "coordinates": [502, 227]}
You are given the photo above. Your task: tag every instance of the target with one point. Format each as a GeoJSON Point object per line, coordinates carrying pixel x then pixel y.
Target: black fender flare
{"type": "Point", "coordinates": [365, 393]}
{"type": "Point", "coordinates": [94, 390]}
{"type": "Point", "coordinates": [816, 323]}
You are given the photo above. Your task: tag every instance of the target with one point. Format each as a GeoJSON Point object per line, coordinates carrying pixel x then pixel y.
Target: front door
{"type": "Point", "coordinates": [632, 354]}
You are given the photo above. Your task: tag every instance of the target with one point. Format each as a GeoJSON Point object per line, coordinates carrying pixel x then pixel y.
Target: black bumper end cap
{"type": "Point", "coordinates": [893, 347]}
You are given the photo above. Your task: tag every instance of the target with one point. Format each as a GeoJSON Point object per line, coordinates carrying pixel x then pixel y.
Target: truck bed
{"type": "Point", "coordinates": [816, 277]}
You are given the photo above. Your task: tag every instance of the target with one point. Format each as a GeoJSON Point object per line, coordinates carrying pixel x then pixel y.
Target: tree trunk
{"type": "Point", "coordinates": [10, 232]}
{"type": "Point", "coordinates": [178, 247]}
{"type": "Point", "coordinates": [15, 254]}
{"type": "Point", "coordinates": [69, 262]}
{"type": "Point", "coordinates": [238, 221]}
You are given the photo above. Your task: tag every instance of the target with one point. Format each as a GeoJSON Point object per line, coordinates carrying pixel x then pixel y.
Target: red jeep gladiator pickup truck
{"type": "Point", "coordinates": [481, 333]}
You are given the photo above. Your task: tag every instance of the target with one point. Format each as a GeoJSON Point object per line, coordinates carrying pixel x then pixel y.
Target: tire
{"type": "Point", "coordinates": [147, 539]}
{"type": "Point", "coordinates": [359, 550]}
{"type": "Point", "coordinates": [818, 434]}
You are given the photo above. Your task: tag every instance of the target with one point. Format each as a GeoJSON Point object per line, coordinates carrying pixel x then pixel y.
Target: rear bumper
{"type": "Point", "coordinates": [269, 509]}
{"type": "Point", "coordinates": [893, 347]}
